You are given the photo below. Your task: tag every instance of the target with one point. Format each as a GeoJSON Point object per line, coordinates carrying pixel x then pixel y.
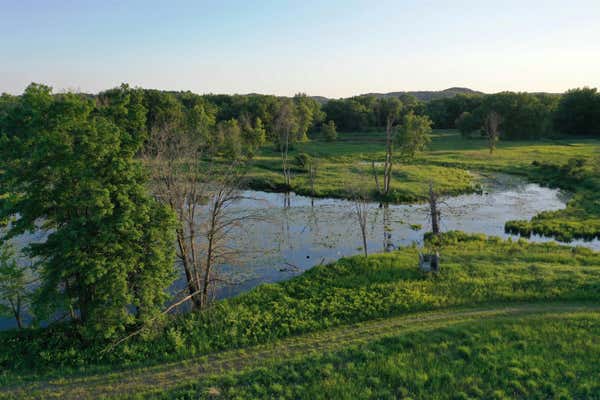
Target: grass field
{"type": "Point", "coordinates": [544, 356]}
{"type": "Point", "coordinates": [453, 164]}
{"type": "Point", "coordinates": [486, 352]}
{"type": "Point", "coordinates": [476, 271]}
{"type": "Point", "coordinates": [446, 162]}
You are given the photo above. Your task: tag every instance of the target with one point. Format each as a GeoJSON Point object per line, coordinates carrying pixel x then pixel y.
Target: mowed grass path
{"type": "Point", "coordinates": [146, 382]}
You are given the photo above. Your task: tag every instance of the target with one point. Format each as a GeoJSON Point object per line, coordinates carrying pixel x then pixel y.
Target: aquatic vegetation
{"type": "Point", "coordinates": [474, 270]}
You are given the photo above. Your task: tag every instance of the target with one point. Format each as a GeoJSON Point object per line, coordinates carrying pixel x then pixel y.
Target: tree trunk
{"type": "Point", "coordinates": [387, 171]}
{"type": "Point", "coordinates": [192, 282]}
{"type": "Point", "coordinates": [376, 177]}
{"type": "Point", "coordinates": [435, 213]}
{"type": "Point", "coordinates": [17, 312]}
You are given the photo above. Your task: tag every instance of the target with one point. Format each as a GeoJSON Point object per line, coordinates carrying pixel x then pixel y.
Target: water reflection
{"type": "Point", "coordinates": [293, 233]}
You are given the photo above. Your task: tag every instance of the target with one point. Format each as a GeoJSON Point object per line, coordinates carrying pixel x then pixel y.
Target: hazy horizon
{"type": "Point", "coordinates": [338, 49]}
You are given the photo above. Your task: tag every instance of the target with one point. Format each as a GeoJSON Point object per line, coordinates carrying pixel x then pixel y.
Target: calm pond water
{"type": "Point", "coordinates": [289, 234]}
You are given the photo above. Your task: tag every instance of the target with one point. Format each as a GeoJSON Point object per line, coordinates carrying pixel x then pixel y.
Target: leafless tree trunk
{"type": "Point", "coordinates": [361, 212]}
{"type": "Point", "coordinates": [16, 306]}
{"type": "Point", "coordinates": [174, 161]}
{"type": "Point", "coordinates": [434, 210]}
{"type": "Point", "coordinates": [312, 176]}
{"type": "Point", "coordinates": [389, 157]}
{"type": "Point", "coordinates": [284, 149]}
{"type": "Point", "coordinates": [491, 125]}
{"type": "Point", "coordinates": [376, 177]}
{"type": "Point", "coordinates": [285, 126]}
{"type": "Point", "coordinates": [388, 163]}
{"type": "Point", "coordinates": [199, 193]}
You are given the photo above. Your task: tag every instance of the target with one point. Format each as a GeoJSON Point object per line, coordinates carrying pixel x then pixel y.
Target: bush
{"type": "Point", "coordinates": [329, 131]}
{"type": "Point", "coordinates": [302, 160]}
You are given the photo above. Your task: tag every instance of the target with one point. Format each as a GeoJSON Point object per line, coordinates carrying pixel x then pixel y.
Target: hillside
{"type": "Point", "coordinates": [428, 95]}
{"type": "Point", "coordinates": [422, 95]}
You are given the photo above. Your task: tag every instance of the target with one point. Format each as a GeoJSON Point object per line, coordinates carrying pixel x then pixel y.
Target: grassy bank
{"type": "Point", "coordinates": [534, 357]}
{"type": "Point", "coordinates": [452, 163]}
{"type": "Point", "coordinates": [475, 270]}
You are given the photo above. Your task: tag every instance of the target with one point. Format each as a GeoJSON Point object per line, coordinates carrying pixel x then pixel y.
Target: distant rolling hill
{"type": "Point", "coordinates": [423, 95]}
{"type": "Point", "coordinates": [428, 95]}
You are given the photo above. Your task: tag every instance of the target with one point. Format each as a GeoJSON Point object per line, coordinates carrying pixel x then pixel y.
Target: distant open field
{"type": "Point", "coordinates": [454, 165]}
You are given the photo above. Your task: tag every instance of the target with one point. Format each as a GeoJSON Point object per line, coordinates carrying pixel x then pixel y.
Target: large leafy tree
{"type": "Point", "coordinates": [578, 112]}
{"type": "Point", "coordinates": [413, 135]}
{"type": "Point", "coordinates": [70, 169]}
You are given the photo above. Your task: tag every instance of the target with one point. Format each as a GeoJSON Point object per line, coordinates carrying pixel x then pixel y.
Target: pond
{"type": "Point", "coordinates": [290, 233]}
{"type": "Point", "coordinates": [296, 232]}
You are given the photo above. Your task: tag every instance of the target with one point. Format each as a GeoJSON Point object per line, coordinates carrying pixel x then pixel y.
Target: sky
{"type": "Point", "coordinates": [336, 48]}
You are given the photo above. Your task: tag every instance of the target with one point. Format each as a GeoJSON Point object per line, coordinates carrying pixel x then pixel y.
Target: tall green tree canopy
{"type": "Point", "coordinates": [413, 135]}
{"type": "Point", "coordinates": [68, 165]}
{"type": "Point", "coordinates": [578, 112]}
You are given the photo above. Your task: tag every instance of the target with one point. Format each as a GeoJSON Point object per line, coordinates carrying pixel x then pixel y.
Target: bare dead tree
{"type": "Point", "coordinates": [174, 162]}
{"type": "Point", "coordinates": [199, 192]}
{"type": "Point", "coordinates": [219, 229]}
{"type": "Point", "coordinates": [389, 157]}
{"type": "Point", "coordinates": [361, 212]}
{"type": "Point", "coordinates": [390, 108]}
{"type": "Point", "coordinates": [491, 126]}
{"type": "Point", "coordinates": [286, 125]}
{"type": "Point", "coordinates": [313, 165]}
{"type": "Point", "coordinates": [376, 177]}
{"type": "Point", "coordinates": [434, 211]}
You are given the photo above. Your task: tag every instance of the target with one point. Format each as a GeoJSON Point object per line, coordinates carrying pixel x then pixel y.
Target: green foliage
{"type": "Point", "coordinates": [14, 279]}
{"type": "Point", "coordinates": [349, 115]}
{"type": "Point", "coordinates": [474, 270]}
{"type": "Point", "coordinates": [581, 218]}
{"type": "Point", "coordinates": [467, 124]}
{"type": "Point", "coordinates": [164, 110]}
{"type": "Point", "coordinates": [230, 139]}
{"type": "Point", "coordinates": [413, 135]}
{"type": "Point", "coordinates": [253, 136]}
{"type": "Point", "coordinates": [309, 114]}
{"type": "Point", "coordinates": [525, 115]}
{"type": "Point", "coordinates": [578, 112]}
{"type": "Point", "coordinates": [550, 356]}
{"type": "Point", "coordinates": [329, 131]}
{"type": "Point", "coordinates": [71, 167]}
{"type": "Point", "coordinates": [302, 160]}
{"type": "Point", "coordinates": [445, 113]}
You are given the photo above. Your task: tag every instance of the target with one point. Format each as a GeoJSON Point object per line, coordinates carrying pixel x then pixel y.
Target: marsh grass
{"type": "Point", "coordinates": [475, 270]}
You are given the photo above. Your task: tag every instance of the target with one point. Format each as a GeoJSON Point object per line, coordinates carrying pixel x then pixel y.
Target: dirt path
{"type": "Point", "coordinates": [169, 375]}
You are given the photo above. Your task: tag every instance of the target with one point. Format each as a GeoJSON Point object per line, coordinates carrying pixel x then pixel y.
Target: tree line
{"type": "Point", "coordinates": [116, 179]}
{"type": "Point", "coordinates": [524, 115]}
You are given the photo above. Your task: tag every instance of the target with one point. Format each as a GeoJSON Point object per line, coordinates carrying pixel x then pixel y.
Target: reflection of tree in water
{"type": "Point", "coordinates": [387, 229]}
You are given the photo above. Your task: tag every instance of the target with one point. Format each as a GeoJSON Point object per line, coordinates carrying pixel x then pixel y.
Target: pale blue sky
{"type": "Point", "coordinates": [330, 48]}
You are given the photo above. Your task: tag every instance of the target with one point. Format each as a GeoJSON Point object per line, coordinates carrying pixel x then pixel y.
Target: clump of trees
{"type": "Point", "coordinates": [329, 131]}
{"type": "Point", "coordinates": [524, 115]}
{"type": "Point", "coordinates": [409, 131]}
{"type": "Point", "coordinates": [578, 112]}
{"type": "Point", "coordinates": [362, 113]}
{"type": "Point", "coordinates": [69, 164]}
